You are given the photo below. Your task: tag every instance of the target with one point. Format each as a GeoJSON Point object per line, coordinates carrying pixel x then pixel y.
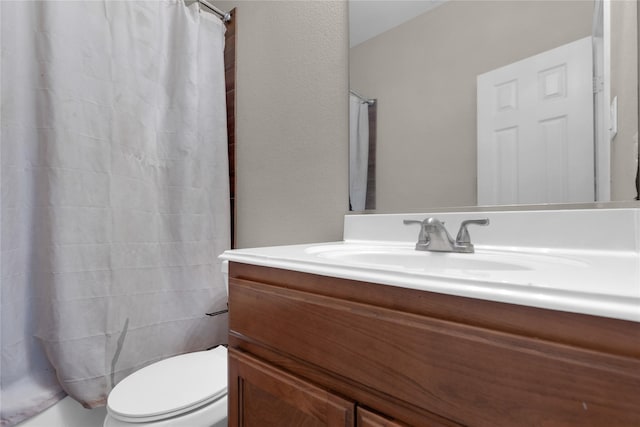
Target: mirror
{"type": "Point", "coordinates": [421, 67]}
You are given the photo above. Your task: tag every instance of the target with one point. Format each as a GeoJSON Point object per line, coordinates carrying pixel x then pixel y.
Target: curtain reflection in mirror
{"type": "Point", "coordinates": [361, 152]}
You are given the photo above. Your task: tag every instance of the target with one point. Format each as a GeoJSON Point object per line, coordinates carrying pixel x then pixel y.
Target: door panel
{"type": "Point", "coordinates": [535, 129]}
{"type": "Point", "coordinates": [261, 395]}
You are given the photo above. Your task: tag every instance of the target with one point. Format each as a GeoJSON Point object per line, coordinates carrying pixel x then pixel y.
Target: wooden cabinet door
{"type": "Point", "coordinates": [261, 395]}
{"type": "Point", "coordinates": [365, 418]}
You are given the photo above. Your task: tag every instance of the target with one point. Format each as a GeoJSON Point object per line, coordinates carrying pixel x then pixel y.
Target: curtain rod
{"type": "Point", "coordinates": [362, 98]}
{"type": "Point", "coordinates": [225, 16]}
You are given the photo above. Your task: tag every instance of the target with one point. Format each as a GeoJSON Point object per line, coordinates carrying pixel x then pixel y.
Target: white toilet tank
{"type": "Point", "coordinates": [185, 390]}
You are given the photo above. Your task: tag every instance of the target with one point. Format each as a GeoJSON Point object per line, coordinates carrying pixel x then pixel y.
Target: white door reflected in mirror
{"type": "Point", "coordinates": [535, 129]}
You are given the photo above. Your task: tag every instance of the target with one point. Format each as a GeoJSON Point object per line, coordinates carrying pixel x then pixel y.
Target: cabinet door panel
{"type": "Point", "coordinates": [263, 396]}
{"type": "Point", "coordinates": [365, 418]}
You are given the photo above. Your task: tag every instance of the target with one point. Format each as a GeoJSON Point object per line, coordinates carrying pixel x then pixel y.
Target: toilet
{"type": "Point", "coordinates": [188, 390]}
{"type": "Point", "coordinates": [185, 390]}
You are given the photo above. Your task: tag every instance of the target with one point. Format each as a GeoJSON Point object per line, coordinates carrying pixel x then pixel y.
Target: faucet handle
{"type": "Point", "coordinates": [422, 237]}
{"type": "Point", "coordinates": [431, 221]}
{"type": "Point", "coordinates": [463, 239]}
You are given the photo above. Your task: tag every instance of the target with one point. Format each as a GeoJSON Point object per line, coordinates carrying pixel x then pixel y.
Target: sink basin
{"type": "Point", "coordinates": [410, 259]}
{"type": "Point", "coordinates": [484, 264]}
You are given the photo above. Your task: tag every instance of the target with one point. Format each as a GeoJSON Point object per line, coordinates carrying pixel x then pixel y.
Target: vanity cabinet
{"type": "Point", "coordinates": [309, 350]}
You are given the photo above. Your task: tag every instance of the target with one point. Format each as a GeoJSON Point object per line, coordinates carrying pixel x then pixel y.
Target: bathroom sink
{"type": "Point", "coordinates": [563, 280]}
{"type": "Point", "coordinates": [410, 259]}
{"type": "Point", "coordinates": [562, 260]}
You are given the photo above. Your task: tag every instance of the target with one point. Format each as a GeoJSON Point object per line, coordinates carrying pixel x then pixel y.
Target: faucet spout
{"type": "Point", "coordinates": [439, 238]}
{"type": "Point", "coordinates": [433, 236]}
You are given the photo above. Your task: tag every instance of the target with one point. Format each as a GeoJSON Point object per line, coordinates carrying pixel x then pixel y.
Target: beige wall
{"type": "Point", "coordinates": [292, 121]}
{"type": "Point", "coordinates": [426, 90]}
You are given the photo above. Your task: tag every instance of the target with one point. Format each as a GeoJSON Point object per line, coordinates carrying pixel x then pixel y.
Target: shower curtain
{"type": "Point", "coordinates": [115, 203]}
{"type": "Point", "coordinates": [358, 152]}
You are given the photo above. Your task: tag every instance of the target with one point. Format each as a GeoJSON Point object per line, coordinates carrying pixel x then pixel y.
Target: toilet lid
{"type": "Point", "coordinates": [170, 387]}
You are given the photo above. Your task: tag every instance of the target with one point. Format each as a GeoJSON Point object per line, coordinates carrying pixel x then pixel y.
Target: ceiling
{"type": "Point", "coordinates": [368, 18]}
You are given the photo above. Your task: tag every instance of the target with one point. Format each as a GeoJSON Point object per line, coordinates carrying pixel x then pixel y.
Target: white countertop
{"type": "Point", "coordinates": [567, 275]}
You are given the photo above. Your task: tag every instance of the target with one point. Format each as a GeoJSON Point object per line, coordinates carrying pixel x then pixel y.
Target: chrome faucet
{"type": "Point", "coordinates": [435, 237]}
